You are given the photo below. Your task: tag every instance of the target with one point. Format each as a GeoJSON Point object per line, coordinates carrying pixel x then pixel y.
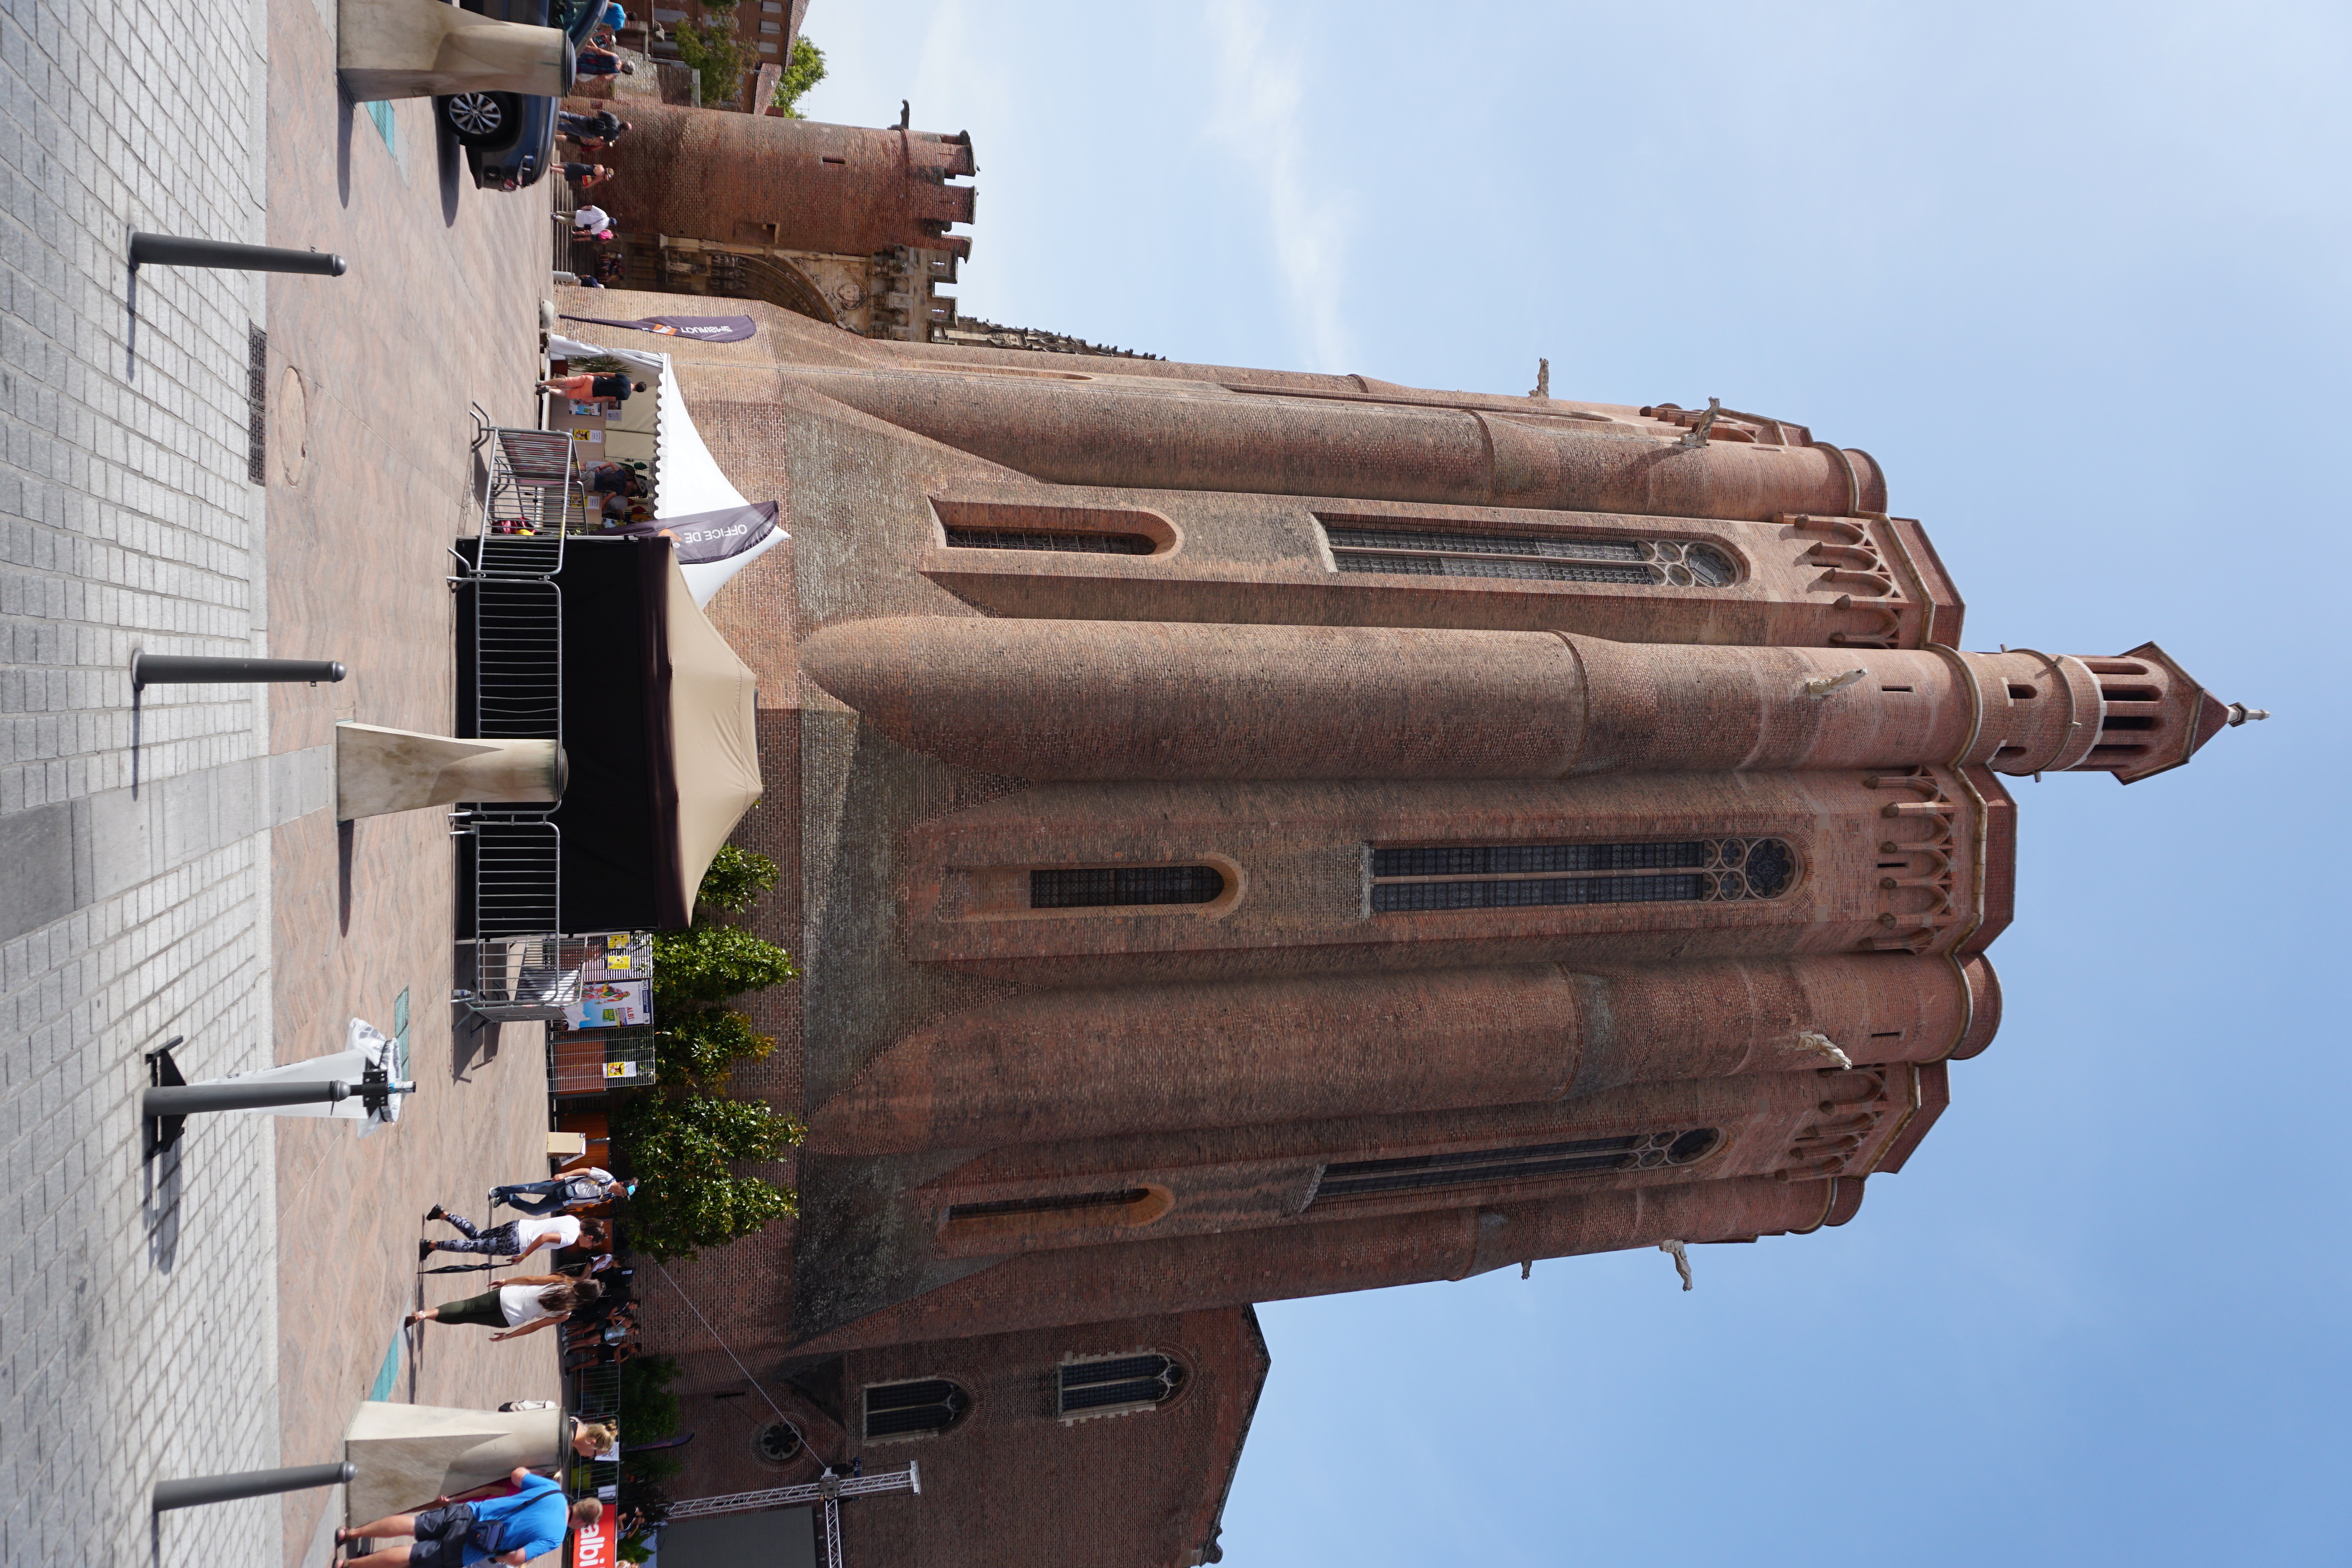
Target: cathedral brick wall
{"type": "Point", "coordinates": [1256, 834]}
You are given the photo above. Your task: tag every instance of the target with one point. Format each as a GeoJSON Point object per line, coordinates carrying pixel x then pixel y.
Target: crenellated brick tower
{"type": "Point", "coordinates": [845, 225]}
{"type": "Point", "coordinates": [1253, 835]}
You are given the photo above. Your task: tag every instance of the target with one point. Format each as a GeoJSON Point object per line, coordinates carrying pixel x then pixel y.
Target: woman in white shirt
{"type": "Point", "coordinates": [524, 1305]}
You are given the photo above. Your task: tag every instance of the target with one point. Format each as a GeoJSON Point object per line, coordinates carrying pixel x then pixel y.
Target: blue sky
{"type": "Point", "coordinates": [2074, 275]}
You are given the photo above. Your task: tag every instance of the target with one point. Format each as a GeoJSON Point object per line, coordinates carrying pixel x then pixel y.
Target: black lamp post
{"type": "Point", "coordinates": [179, 670]}
{"type": "Point", "coordinates": [171, 250]}
{"type": "Point", "coordinates": [198, 1489]}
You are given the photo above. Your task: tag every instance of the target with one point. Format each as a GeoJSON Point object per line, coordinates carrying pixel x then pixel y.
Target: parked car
{"type": "Point", "coordinates": [510, 137]}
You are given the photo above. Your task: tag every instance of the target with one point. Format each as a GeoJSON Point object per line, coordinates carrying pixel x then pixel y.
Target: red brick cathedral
{"type": "Point", "coordinates": [1252, 835]}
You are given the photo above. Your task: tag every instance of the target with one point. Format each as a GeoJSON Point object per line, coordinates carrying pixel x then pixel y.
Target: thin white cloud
{"type": "Point", "coordinates": [1259, 116]}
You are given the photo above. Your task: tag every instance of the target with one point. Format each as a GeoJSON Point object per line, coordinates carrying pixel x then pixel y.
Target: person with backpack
{"type": "Point", "coordinates": [526, 1521]}
{"type": "Point", "coordinates": [592, 1184]}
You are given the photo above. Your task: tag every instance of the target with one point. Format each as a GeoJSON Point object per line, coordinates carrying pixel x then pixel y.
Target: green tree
{"type": "Point", "coordinates": [802, 71]}
{"type": "Point", "coordinates": [648, 1409]}
{"type": "Point", "coordinates": [679, 1141]}
{"type": "Point", "coordinates": [681, 1149]}
{"type": "Point", "coordinates": [715, 54]}
{"type": "Point", "coordinates": [700, 1046]}
{"type": "Point", "coordinates": [735, 881]}
{"type": "Point", "coordinates": [707, 964]}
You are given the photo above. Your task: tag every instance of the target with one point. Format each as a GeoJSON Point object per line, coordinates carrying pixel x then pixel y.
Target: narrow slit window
{"type": "Point", "coordinates": [1110, 887]}
{"type": "Point", "coordinates": [1058, 1203]}
{"type": "Point", "coordinates": [905, 1409]}
{"type": "Point", "coordinates": [1366, 545]}
{"type": "Point", "coordinates": [1580, 1156]}
{"type": "Point", "coordinates": [1525, 876]}
{"type": "Point", "coordinates": [1119, 1383]}
{"type": "Point", "coordinates": [1073, 543]}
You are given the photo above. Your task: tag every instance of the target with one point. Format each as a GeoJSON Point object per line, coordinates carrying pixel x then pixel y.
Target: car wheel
{"type": "Point", "coordinates": [475, 117]}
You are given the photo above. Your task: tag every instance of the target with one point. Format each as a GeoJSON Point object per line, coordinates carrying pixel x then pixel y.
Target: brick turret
{"type": "Point", "coordinates": [705, 175]}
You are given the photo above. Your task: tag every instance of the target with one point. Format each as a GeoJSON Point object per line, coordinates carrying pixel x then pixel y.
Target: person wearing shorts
{"type": "Point", "coordinates": [439, 1536]}
{"type": "Point", "coordinates": [526, 1520]}
{"type": "Point", "coordinates": [612, 389]}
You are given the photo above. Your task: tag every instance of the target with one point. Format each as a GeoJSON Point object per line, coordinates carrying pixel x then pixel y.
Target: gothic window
{"type": "Point", "coordinates": [1362, 544]}
{"type": "Point", "coordinates": [1580, 1156]}
{"type": "Point", "coordinates": [1013, 1221]}
{"type": "Point", "coordinates": [1114, 886]}
{"type": "Point", "coordinates": [1521, 876]}
{"type": "Point", "coordinates": [1124, 1198]}
{"type": "Point", "coordinates": [1118, 1384]}
{"type": "Point", "coordinates": [778, 1442]}
{"type": "Point", "coordinates": [1083, 543]}
{"type": "Point", "coordinates": [911, 1409]}
{"type": "Point", "coordinates": [1034, 526]}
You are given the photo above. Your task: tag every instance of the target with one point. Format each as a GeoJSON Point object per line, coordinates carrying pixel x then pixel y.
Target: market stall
{"type": "Point", "coordinates": [690, 490]}
{"type": "Point", "coordinates": [658, 724]}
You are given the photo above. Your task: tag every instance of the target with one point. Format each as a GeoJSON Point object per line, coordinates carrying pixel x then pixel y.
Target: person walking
{"type": "Point", "coordinates": [594, 132]}
{"type": "Point", "coordinates": [589, 219]}
{"type": "Point", "coordinates": [587, 176]}
{"type": "Point", "coordinates": [526, 1521]}
{"type": "Point", "coordinates": [594, 61]}
{"type": "Point", "coordinates": [525, 1305]}
{"type": "Point", "coordinates": [517, 1238]}
{"type": "Point", "coordinates": [612, 389]}
{"type": "Point", "coordinates": [592, 1184]}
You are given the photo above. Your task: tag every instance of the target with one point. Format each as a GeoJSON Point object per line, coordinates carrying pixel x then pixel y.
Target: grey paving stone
{"type": "Point", "coordinates": [129, 1348]}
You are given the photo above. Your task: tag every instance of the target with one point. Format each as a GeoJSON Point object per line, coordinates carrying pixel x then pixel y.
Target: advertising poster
{"type": "Point", "coordinates": [613, 1004]}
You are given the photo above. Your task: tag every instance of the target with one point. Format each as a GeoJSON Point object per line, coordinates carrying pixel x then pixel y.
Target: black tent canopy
{"type": "Point", "coordinates": [659, 729]}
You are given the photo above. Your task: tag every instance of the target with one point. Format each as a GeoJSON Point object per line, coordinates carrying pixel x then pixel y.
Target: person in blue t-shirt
{"type": "Point", "coordinates": [512, 1527]}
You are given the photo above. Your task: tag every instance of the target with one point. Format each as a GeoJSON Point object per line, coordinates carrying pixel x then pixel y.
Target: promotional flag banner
{"type": "Point", "coordinates": [712, 536]}
{"type": "Point", "coordinates": [592, 1544]}
{"type": "Point", "coordinates": [708, 329]}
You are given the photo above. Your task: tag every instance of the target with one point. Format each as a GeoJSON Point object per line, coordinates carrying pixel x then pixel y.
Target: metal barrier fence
{"type": "Point", "coordinates": [594, 1061]}
{"type": "Point", "coordinates": [529, 486]}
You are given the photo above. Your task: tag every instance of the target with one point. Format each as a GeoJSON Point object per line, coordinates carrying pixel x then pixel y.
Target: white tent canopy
{"type": "Point", "coordinates": [687, 481]}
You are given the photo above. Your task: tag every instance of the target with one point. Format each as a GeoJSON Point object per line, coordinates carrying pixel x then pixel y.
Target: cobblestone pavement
{"type": "Point", "coordinates": [174, 868]}
{"type": "Point", "coordinates": [369, 483]}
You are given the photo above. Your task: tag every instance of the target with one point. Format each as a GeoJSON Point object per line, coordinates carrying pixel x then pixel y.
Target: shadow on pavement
{"type": "Point", "coordinates": [452, 165]}
{"type": "Point", "coordinates": [162, 1203]}
{"type": "Point", "coordinates": [344, 108]}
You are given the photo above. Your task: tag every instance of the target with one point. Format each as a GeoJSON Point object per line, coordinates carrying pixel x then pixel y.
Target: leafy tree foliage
{"type": "Point", "coordinates": [681, 1149]}
{"type": "Point", "coordinates": [802, 71]}
{"type": "Point", "coordinates": [704, 965]}
{"type": "Point", "coordinates": [716, 56]}
{"type": "Point", "coordinates": [702, 1045]}
{"type": "Point", "coordinates": [680, 1140]}
{"type": "Point", "coordinates": [735, 881]}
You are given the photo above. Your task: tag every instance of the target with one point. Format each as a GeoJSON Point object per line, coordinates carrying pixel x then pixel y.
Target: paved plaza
{"type": "Point", "coordinates": [175, 869]}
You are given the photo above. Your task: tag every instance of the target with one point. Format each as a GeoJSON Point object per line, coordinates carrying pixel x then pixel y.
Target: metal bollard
{"type": "Point", "coordinates": [181, 670]}
{"type": "Point", "coordinates": [195, 1099]}
{"type": "Point", "coordinates": [171, 250]}
{"type": "Point", "coordinates": [198, 1489]}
